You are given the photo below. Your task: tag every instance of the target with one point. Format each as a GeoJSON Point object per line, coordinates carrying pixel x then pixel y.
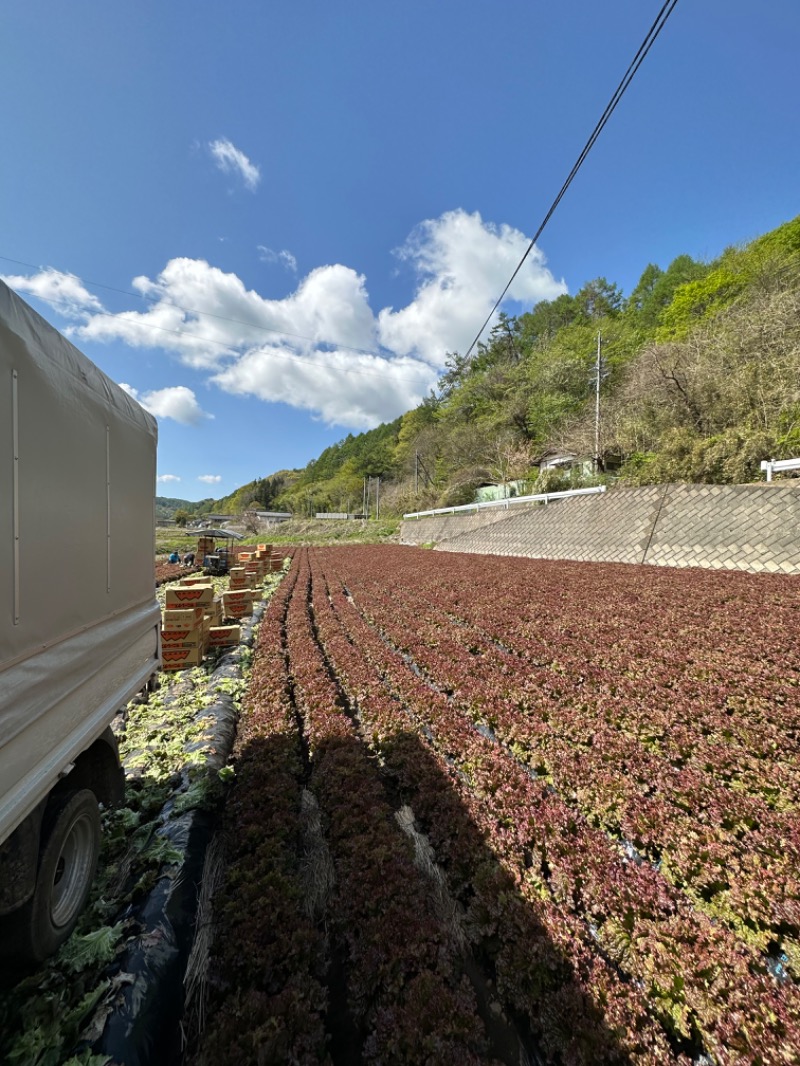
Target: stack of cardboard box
{"type": "Point", "coordinates": [237, 603]}
{"type": "Point", "coordinates": [205, 546]}
{"type": "Point", "coordinates": [253, 573]}
{"type": "Point", "coordinates": [184, 633]}
{"type": "Point", "coordinates": [193, 617]}
{"type": "Point", "coordinates": [264, 556]}
{"type": "Point", "coordinates": [237, 578]}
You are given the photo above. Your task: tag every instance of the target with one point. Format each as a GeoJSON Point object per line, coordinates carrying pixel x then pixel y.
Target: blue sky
{"type": "Point", "coordinates": [312, 204]}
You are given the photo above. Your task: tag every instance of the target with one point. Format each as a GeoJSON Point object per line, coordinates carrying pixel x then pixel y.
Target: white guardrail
{"type": "Point", "coordinates": [776, 465]}
{"type": "Point", "coordinates": [510, 502]}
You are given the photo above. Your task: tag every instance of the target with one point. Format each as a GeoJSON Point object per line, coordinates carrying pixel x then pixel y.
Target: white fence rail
{"type": "Point", "coordinates": [773, 466]}
{"type": "Point", "coordinates": [542, 497]}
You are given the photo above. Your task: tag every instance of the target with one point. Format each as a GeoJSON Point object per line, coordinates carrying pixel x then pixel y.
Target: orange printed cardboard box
{"type": "Point", "coordinates": [238, 578]}
{"type": "Point", "coordinates": [183, 638]}
{"type": "Point", "coordinates": [189, 596]}
{"type": "Point", "coordinates": [237, 604]}
{"type": "Point", "coordinates": [236, 596]}
{"type": "Point", "coordinates": [183, 618]}
{"type": "Point", "coordinates": [194, 579]}
{"type": "Point", "coordinates": [181, 658]}
{"type": "Point", "coordinates": [224, 636]}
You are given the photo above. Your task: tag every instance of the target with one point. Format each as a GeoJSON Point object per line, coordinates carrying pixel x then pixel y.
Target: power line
{"type": "Point", "coordinates": [654, 31]}
{"type": "Point", "coordinates": [636, 62]}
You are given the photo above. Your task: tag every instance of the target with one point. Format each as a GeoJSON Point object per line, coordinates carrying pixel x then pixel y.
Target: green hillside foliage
{"type": "Point", "coordinates": [167, 506]}
{"type": "Point", "coordinates": [257, 495]}
{"type": "Point", "coordinates": [701, 380]}
{"type": "Point", "coordinates": [334, 481]}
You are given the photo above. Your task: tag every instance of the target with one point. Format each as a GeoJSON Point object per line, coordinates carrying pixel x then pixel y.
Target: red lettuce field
{"type": "Point", "coordinates": [507, 810]}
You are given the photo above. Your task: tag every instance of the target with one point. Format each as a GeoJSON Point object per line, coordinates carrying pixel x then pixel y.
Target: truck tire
{"type": "Point", "coordinates": [67, 862]}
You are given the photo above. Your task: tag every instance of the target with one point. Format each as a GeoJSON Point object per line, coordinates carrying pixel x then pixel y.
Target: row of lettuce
{"type": "Point", "coordinates": [558, 814]}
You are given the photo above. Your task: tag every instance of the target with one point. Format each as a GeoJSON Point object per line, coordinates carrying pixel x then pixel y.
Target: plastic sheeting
{"type": "Point", "coordinates": [143, 1029]}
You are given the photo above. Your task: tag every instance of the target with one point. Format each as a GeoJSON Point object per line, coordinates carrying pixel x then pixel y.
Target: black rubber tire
{"type": "Point", "coordinates": [68, 855]}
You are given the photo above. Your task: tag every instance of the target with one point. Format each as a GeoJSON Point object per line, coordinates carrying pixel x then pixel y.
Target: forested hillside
{"type": "Point", "coordinates": [167, 506]}
{"type": "Point", "coordinates": [255, 495]}
{"type": "Point", "coordinates": [700, 381]}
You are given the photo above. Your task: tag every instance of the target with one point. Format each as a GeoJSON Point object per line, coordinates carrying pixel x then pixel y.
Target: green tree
{"type": "Point", "coordinates": [643, 301]}
{"type": "Point", "coordinates": [540, 325]}
{"type": "Point", "coordinates": [598, 299]}
{"type": "Point", "coordinates": [181, 517]}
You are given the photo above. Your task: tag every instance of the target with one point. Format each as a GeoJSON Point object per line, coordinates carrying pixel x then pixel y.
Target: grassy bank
{"type": "Point", "coordinates": [332, 531]}
{"type": "Point", "coordinates": [296, 531]}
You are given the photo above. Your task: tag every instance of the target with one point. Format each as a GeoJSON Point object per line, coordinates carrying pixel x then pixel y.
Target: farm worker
{"type": "Point", "coordinates": [188, 559]}
{"type": "Point", "coordinates": [174, 558]}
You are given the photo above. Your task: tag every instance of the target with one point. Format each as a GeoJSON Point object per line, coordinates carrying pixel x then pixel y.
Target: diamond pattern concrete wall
{"type": "Point", "coordinates": [731, 527]}
{"type": "Point", "coordinates": [445, 527]}
{"type": "Point", "coordinates": [743, 527]}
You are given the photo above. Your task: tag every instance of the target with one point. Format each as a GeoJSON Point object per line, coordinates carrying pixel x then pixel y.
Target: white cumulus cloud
{"type": "Point", "coordinates": [176, 402]}
{"type": "Point", "coordinates": [342, 387]}
{"type": "Point", "coordinates": [463, 264]}
{"type": "Point", "coordinates": [210, 479]}
{"type": "Point", "coordinates": [232, 160]}
{"type": "Point", "coordinates": [167, 477]}
{"type": "Point", "coordinates": [64, 292]}
{"type": "Point", "coordinates": [330, 304]}
{"type": "Point", "coordinates": [323, 348]}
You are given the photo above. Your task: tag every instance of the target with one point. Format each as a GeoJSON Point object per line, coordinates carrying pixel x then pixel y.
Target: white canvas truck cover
{"type": "Point", "coordinates": [78, 614]}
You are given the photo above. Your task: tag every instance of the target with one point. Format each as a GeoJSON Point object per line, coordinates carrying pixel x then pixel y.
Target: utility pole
{"type": "Point", "coordinates": [377, 497]}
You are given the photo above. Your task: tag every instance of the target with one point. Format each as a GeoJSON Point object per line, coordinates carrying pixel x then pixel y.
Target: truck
{"type": "Point", "coordinates": [79, 620]}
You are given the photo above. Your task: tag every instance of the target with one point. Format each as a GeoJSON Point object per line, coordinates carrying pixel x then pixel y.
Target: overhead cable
{"type": "Point", "coordinates": [636, 62]}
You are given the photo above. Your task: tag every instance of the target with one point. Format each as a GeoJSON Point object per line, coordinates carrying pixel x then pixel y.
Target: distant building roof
{"type": "Point", "coordinates": [218, 534]}
{"type": "Point", "coordinates": [554, 459]}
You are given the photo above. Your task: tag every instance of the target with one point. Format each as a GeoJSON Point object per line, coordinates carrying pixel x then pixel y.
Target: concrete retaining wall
{"type": "Point", "coordinates": [445, 527]}
{"type": "Point", "coordinates": [740, 527]}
